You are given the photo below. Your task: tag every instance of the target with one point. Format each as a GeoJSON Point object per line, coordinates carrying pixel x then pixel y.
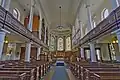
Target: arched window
{"type": "Point", "coordinates": [104, 13]}
{"type": "Point", "coordinates": [68, 44]}
{"type": "Point", "coordinates": [60, 44]}
{"type": "Point", "coordinates": [16, 13]}
{"type": "Point", "coordinates": [52, 40]}
{"type": "Point", "coordinates": [52, 43]}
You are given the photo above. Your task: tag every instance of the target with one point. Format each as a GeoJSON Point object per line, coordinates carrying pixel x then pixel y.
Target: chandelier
{"type": "Point", "coordinates": [60, 26]}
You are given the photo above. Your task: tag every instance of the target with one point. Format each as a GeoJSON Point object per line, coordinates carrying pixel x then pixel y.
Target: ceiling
{"type": "Point", "coordinates": [68, 11]}
{"type": "Point", "coordinates": [52, 11]}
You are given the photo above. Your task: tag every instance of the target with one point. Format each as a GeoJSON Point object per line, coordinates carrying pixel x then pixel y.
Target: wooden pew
{"type": "Point", "coordinates": [102, 75]}
{"type": "Point", "coordinates": [10, 75]}
{"type": "Point", "coordinates": [78, 70]}
{"type": "Point", "coordinates": [40, 67]}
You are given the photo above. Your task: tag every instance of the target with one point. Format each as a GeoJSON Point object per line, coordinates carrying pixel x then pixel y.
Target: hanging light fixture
{"type": "Point", "coordinates": [60, 26]}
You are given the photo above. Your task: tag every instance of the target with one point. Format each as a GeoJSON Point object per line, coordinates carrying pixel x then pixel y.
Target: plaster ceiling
{"type": "Point", "coordinates": [68, 11]}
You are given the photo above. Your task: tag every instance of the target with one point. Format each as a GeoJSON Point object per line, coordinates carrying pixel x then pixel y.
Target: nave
{"type": "Point", "coordinates": [59, 39]}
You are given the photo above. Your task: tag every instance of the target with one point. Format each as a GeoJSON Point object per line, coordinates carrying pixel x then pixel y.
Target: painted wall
{"type": "Point", "coordinates": [15, 4]}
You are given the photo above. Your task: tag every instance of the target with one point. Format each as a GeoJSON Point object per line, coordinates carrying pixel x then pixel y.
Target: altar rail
{"type": "Point", "coordinates": [10, 23]}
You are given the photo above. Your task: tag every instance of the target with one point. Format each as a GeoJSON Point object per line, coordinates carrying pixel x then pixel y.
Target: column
{"type": "Point", "coordinates": [89, 27]}
{"type": "Point", "coordinates": [2, 36]}
{"type": "Point", "coordinates": [6, 4]}
{"type": "Point", "coordinates": [64, 43]}
{"type": "Point", "coordinates": [27, 52]}
{"type": "Point", "coordinates": [28, 45]}
{"type": "Point", "coordinates": [45, 36]}
{"type": "Point", "coordinates": [92, 52]}
{"type": "Point", "coordinates": [56, 43]}
{"type": "Point", "coordinates": [114, 3]}
{"type": "Point", "coordinates": [118, 54]}
{"type": "Point", "coordinates": [38, 53]}
{"type": "Point", "coordinates": [40, 26]}
{"type": "Point", "coordinates": [71, 40]}
{"type": "Point", "coordinates": [82, 53]}
{"type": "Point", "coordinates": [90, 22]}
{"type": "Point", "coordinates": [81, 29]}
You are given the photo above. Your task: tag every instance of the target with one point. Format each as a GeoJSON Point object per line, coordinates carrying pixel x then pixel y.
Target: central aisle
{"type": "Point", "coordinates": [60, 73]}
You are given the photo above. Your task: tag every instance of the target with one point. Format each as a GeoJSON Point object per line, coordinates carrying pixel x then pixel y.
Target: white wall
{"type": "Point", "coordinates": [15, 4]}
{"type": "Point", "coordinates": [105, 52]}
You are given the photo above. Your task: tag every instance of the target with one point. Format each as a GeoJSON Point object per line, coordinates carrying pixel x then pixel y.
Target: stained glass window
{"type": "Point", "coordinates": [60, 44]}
{"type": "Point", "coordinates": [52, 44]}
{"type": "Point", "coordinates": [68, 44]}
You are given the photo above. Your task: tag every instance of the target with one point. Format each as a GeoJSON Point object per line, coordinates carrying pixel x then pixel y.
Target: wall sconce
{"type": "Point", "coordinates": [6, 41]}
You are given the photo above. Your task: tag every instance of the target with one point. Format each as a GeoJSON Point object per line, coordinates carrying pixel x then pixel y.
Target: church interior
{"type": "Point", "coordinates": [59, 40]}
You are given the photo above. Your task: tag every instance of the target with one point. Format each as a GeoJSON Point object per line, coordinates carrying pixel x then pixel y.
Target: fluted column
{"type": "Point", "coordinates": [28, 44]}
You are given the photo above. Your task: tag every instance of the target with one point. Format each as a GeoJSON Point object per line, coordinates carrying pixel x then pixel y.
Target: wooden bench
{"type": "Point", "coordinates": [40, 68]}
{"type": "Point", "coordinates": [91, 71]}
{"type": "Point", "coordinates": [10, 75]}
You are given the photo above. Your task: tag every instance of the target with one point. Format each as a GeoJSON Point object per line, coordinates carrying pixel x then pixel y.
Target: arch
{"type": "Point", "coordinates": [68, 44]}
{"type": "Point", "coordinates": [104, 14]}
{"type": "Point", "coordinates": [52, 40]}
{"type": "Point", "coordinates": [52, 43]}
{"type": "Point", "coordinates": [16, 13]}
{"type": "Point", "coordinates": [60, 44]}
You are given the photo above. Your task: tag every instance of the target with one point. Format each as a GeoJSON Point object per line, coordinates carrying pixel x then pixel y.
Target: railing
{"type": "Point", "coordinates": [108, 25]}
{"type": "Point", "coordinates": [10, 23]}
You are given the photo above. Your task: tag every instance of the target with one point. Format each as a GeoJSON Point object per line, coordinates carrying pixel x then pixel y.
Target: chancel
{"type": "Point", "coordinates": [59, 39]}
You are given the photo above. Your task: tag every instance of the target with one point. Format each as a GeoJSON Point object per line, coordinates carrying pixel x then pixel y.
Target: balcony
{"type": "Point", "coordinates": [108, 25]}
{"type": "Point", "coordinates": [9, 23]}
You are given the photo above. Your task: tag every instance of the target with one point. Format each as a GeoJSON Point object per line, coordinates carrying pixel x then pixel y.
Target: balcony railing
{"type": "Point", "coordinates": [108, 25]}
{"type": "Point", "coordinates": [10, 23]}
